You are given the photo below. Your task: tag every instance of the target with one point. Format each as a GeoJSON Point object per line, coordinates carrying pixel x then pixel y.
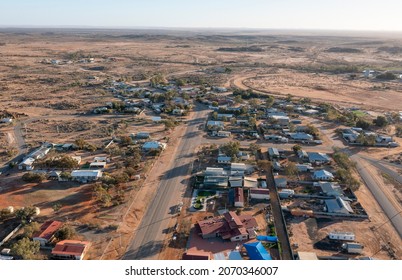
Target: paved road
{"type": "Point", "coordinates": [393, 214]}
{"type": "Point", "coordinates": [149, 238]}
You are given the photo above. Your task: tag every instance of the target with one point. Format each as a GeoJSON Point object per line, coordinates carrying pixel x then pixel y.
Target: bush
{"type": "Point", "coordinates": [198, 206]}
{"type": "Point", "coordinates": [33, 177]}
{"type": "Point", "coordinates": [66, 232]}
{"type": "Point", "coordinates": [25, 249]}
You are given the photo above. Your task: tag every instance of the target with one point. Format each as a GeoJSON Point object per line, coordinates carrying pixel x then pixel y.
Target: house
{"type": "Point", "coordinates": [257, 193]}
{"type": "Point", "coordinates": [281, 182]}
{"type": "Point", "coordinates": [368, 73]}
{"type": "Point", "coordinates": [6, 120]}
{"type": "Point", "coordinates": [213, 125]}
{"type": "Point", "coordinates": [86, 175]}
{"type": "Point", "coordinates": [331, 189]}
{"type": "Point", "coordinates": [273, 153]}
{"type": "Point", "coordinates": [352, 248]}
{"type": "Point", "coordinates": [153, 145]}
{"type": "Point", "coordinates": [277, 166]}
{"type": "Point", "coordinates": [77, 159]}
{"type": "Point", "coordinates": [216, 181]}
{"type": "Point", "coordinates": [338, 206]}
{"type": "Point", "coordinates": [196, 256]}
{"type": "Point", "coordinates": [286, 193]}
{"type": "Point", "coordinates": [70, 250]}
{"type": "Point", "coordinates": [304, 167]}
{"type": "Point", "coordinates": [214, 171]}
{"type": "Point", "coordinates": [178, 112]}
{"type": "Point", "coordinates": [47, 232]}
{"type": "Point", "coordinates": [279, 118]}
{"type": "Point", "coordinates": [221, 133]}
{"type": "Point", "coordinates": [250, 183]}
{"type": "Point", "coordinates": [225, 116]}
{"type": "Point", "coordinates": [318, 158]}
{"type": "Point", "coordinates": [101, 159]}
{"type": "Point", "coordinates": [40, 152]}
{"type": "Point", "coordinates": [238, 197]}
{"type": "Point", "coordinates": [302, 154]}
{"type": "Point", "coordinates": [384, 139]}
{"type": "Point", "coordinates": [346, 236]}
{"type": "Point", "coordinates": [239, 169]}
{"type": "Point", "coordinates": [230, 226]}
{"type": "Point", "coordinates": [307, 256]}
{"type": "Point", "coordinates": [232, 255]}
{"type": "Point", "coordinates": [256, 251]}
{"type": "Point", "coordinates": [156, 119]}
{"type": "Point", "coordinates": [311, 112]}
{"type": "Point", "coordinates": [142, 135]}
{"type": "Point", "coordinates": [97, 165]}
{"type": "Point", "coordinates": [54, 175]}
{"type": "Point", "coordinates": [224, 159]}
{"type": "Point", "coordinates": [300, 136]}
{"type": "Point", "coordinates": [322, 175]}
{"type": "Point", "coordinates": [242, 122]}
{"type": "Point", "coordinates": [235, 182]}
{"type": "Point", "coordinates": [27, 164]}
{"type": "Point", "coordinates": [243, 155]}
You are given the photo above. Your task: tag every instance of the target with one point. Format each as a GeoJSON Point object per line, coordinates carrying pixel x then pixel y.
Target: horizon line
{"type": "Point", "coordinates": [188, 28]}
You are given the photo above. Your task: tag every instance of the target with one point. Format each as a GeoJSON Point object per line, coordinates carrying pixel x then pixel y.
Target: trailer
{"type": "Point", "coordinates": [346, 236]}
{"type": "Point", "coordinates": [352, 248]}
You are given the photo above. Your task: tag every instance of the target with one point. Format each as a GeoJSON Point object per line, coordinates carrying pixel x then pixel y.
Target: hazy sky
{"type": "Point", "coordinates": [271, 14]}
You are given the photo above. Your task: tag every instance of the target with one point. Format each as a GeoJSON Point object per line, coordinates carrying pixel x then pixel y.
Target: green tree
{"type": "Point", "coordinates": [291, 170]}
{"type": "Point", "coordinates": [254, 148]}
{"type": "Point", "coordinates": [56, 206]}
{"type": "Point", "coordinates": [65, 232]}
{"type": "Point", "coordinates": [33, 177]}
{"type": "Point", "coordinates": [125, 140]}
{"type": "Point", "coordinates": [169, 124]}
{"type": "Point", "coordinates": [25, 214]}
{"type": "Point", "coordinates": [238, 99]}
{"type": "Point", "coordinates": [363, 124]}
{"type": "Point", "coordinates": [25, 249]}
{"type": "Point", "coordinates": [264, 164]}
{"type": "Point", "coordinates": [296, 148]}
{"type": "Point", "coordinates": [269, 101]}
{"type": "Point", "coordinates": [30, 229]}
{"type": "Point", "coordinates": [380, 121]}
{"type": "Point", "coordinates": [80, 143]}
{"type": "Point", "coordinates": [231, 148]}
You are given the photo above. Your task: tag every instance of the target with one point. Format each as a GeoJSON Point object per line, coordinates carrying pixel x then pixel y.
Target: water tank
{"type": "Point", "coordinates": [37, 211]}
{"type": "Point", "coordinates": [10, 209]}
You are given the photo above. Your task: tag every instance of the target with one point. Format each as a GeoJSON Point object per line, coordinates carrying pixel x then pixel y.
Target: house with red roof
{"type": "Point", "coordinates": [47, 232]}
{"type": "Point", "coordinates": [70, 250]}
{"type": "Point", "coordinates": [230, 226]}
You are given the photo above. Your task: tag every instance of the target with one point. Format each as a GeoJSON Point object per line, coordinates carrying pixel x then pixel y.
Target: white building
{"type": "Point", "coordinates": [334, 235]}
{"type": "Point", "coordinates": [154, 145]}
{"type": "Point", "coordinates": [259, 194]}
{"type": "Point", "coordinates": [86, 175]}
{"type": "Point", "coordinates": [322, 175]}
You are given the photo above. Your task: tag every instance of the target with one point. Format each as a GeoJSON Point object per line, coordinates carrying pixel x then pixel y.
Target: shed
{"type": "Point", "coordinates": [256, 251]}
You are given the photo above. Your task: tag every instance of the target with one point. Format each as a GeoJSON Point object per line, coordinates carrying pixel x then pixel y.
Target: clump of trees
{"type": "Point", "coordinates": [387, 76]}
{"type": "Point", "coordinates": [344, 172]}
{"type": "Point", "coordinates": [83, 145]}
{"type": "Point", "coordinates": [63, 161]}
{"type": "Point", "coordinates": [65, 232]}
{"type": "Point", "coordinates": [231, 148]}
{"type": "Point", "coordinates": [31, 177]}
{"type": "Point", "coordinates": [25, 249]}
{"type": "Point", "coordinates": [380, 121]}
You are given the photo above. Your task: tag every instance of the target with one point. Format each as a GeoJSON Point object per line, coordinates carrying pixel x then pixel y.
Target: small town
{"type": "Point", "coordinates": [199, 145]}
